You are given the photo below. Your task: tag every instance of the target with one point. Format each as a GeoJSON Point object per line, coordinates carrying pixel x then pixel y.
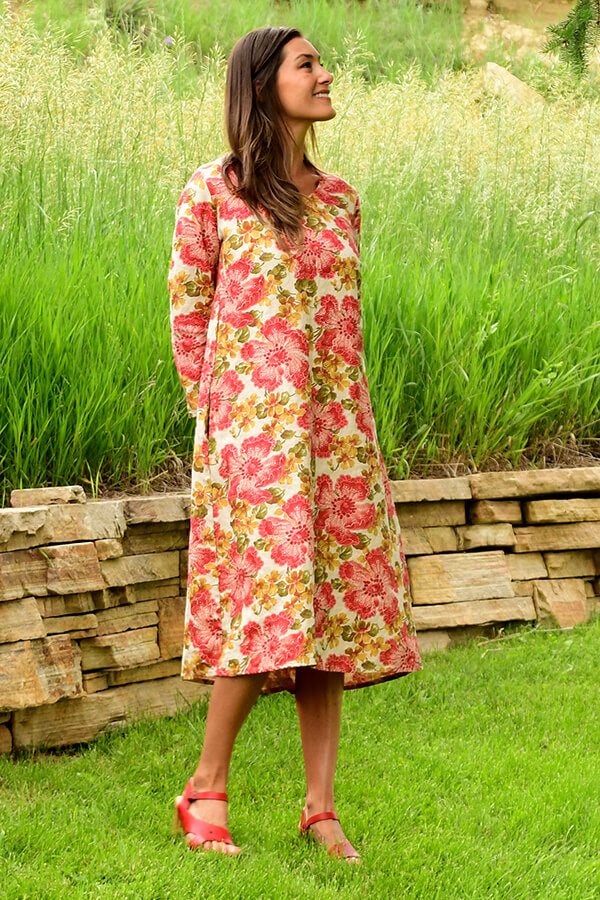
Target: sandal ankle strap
{"type": "Point", "coordinates": [320, 817]}
{"type": "Point", "coordinates": [191, 794]}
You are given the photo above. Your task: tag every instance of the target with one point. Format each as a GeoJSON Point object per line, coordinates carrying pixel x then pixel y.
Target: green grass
{"type": "Point", "coordinates": [385, 36]}
{"type": "Point", "coordinates": [480, 257]}
{"type": "Point", "coordinates": [475, 778]}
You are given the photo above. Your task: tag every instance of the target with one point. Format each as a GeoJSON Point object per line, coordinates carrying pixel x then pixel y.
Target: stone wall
{"type": "Point", "coordinates": [92, 592]}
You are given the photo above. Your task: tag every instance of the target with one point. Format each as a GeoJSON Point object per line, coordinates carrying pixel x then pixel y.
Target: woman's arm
{"type": "Point", "coordinates": [192, 283]}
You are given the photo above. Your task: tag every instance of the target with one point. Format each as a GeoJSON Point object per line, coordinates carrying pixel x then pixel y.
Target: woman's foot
{"type": "Point", "coordinates": [329, 833]}
{"type": "Point", "coordinates": [214, 812]}
{"type": "Point", "coordinates": [202, 816]}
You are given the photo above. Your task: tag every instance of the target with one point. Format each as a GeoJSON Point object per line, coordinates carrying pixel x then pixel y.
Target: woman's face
{"type": "Point", "coordinates": [303, 84]}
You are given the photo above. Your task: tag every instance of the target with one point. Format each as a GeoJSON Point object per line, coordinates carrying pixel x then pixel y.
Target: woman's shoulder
{"type": "Point", "coordinates": [336, 191]}
{"type": "Point", "coordinates": [208, 177]}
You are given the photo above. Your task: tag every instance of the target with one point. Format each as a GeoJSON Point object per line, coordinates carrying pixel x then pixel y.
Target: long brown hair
{"type": "Point", "coordinates": [257, 134]}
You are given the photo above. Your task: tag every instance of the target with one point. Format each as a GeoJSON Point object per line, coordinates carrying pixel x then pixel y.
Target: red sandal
{"type": "Point", "coordinates": [341, 849]}
{"type": "Point", "coordinates": [197, 830]}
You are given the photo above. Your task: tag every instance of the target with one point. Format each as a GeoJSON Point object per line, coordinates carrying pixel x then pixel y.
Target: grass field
{"type": "Point", "coordinates": [480, 255]}
{"type": "Point", "coordinates": [475, 779]}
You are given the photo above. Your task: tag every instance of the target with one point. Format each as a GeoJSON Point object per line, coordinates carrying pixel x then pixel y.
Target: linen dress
{"type": "Point", "coordinates": [295, 553]}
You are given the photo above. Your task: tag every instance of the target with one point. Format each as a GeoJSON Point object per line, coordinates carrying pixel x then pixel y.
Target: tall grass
{"type": "Point", "coordinates": [393, 33]}
{"type": "Point", "coordinates": [480, 260]}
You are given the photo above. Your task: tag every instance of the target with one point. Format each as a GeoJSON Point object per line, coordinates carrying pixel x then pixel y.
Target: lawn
{"type": "Point", "coordinates": [475, 778]}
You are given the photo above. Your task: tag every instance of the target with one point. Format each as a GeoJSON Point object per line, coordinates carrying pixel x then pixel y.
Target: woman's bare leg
{"type": "Point", "coordinates": [319, 705]}
{"type": "Point", "coordinates": [231, 700]}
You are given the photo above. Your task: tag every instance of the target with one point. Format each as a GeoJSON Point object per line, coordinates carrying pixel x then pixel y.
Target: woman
{"type": "Point", "coordinates": [297, 579]}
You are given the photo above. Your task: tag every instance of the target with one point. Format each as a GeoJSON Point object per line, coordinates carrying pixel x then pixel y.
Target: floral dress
{"type": "Point", "coordinates": [295, 554]}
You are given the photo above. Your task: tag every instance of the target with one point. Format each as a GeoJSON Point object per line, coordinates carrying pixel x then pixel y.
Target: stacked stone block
{"type": "Point", "coordinates": [92, 597]}
{"type": "Point", "coordinates": [92, 593]}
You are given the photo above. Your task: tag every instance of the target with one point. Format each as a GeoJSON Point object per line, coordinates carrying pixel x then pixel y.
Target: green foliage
{"type": "Point", "coordinates": [475, 778]}
{"type": "Point", "coordinates": [577, 35]}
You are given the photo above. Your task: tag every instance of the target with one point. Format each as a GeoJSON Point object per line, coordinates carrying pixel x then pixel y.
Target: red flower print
{"type": "Point", "coordinates": [337, 662]}
{"type": "Point", "coordinates": [329, 189]}
{"type": "Point", "coordinates": [230, 206]}
{"type": "Point", "coordinates": [188, 338]}
{"type": "Point", "coordinates": [403, 657]}
{"type": "Point", "coordinates": [221, 393]}
{"type": "Point", "coordinates": [291, 533]}
{"type": "Point", "coordinates": [199, 241]}
{"type": "Point", "coordinates": [372, 587]}
{"type": "Point", "coordinates": [317, 255]}
{"type": "Point", "coordinates": [364, 414]}
{"type": "Point", "coordinates": [342, 511]}
{"type": "Point", "coordinates": [204, 627]}
{"type": "Point", "coordinates": [200, 555]}
{"type": "Point", "coordinates": [281, 356]}
{"type": "Point", "coordinates": [271, 645]}
{"type": "Point", "coordinates": [346, 226]}
{"type": "Point", "coordinates": [251, 468]}
{"type": "Point", "coordinates": [323, 601]}
{"type": "Point", "coordinates": [240, 293]}
{"type": "Point", "coordinates": [327, 419]}
{"type": "Point", "coordinates": [238, 577]}
{"type": "Point", "coordinates": [342, 335]}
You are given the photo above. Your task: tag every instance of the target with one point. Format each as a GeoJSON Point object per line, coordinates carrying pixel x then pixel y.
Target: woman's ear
{"type": "Point", "coordinates": [257, 89]}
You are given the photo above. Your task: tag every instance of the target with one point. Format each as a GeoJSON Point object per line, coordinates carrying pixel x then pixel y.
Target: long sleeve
{"type": "Point", "coordinates": [192, 283]}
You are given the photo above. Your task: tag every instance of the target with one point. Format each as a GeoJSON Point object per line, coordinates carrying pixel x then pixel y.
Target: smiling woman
{"type": "Point", "coordinates": [297, 579]}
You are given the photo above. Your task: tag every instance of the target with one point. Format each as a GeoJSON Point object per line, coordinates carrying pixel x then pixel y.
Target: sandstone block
{"type": "Point", "coordinates": [590, 591]}
{"type": "Point", "coordinates": [448, 512]}
{"type": "Point", "coordinates": [472, 536]}
{"type": "Point", "coordinates": [67, 605]}
{"type": "Point", "coordinates": [22, 572]}
{"type": "Point", "coordinates": [576, 536]}
{"type": "Point", "coordinates": [502, 83]}
{"type": "Point", "coordinates": [183, 570]}
{"type": "Point", "coordinates": [171, 614]}
{"type": "Point", "coordinates": [114, 596]}
{"type": "Point", "coordinates": [5, 739]}
{"type": "Point", "coordinates": [129, 648]}
{"type": "Point", "coordinates": [560, 602]}
{"type": "Point", "coordinates": [430, 489]}
{"type": "Point", "coordinates": [72, 493]}
{"type": "Point", "coordinates": [452, 577]}
{"type": "Point", "coordinates": [20, 620]}
{"type": "Point", "coordinates": [84, 719]}
{"type": "Point", "coordinates": [490, 512]}
{"type": "Point", "coordinates": [73, 568]}
{"type": "Point", "coordinates": [569, 509]}
{"type": "Point", "coordinates": [125, 618]}
{"type": "Point", "coordinates": [477, 612]}
{"type": "Point", "coordinates": [95, 681]}
{"type": "Point", "coordinates": [570, 564]}
{"type": "Point", "coordinates": [156, 590]}
{"type": "Point", "coordinates": [415, 543]}
{"type": "Point", "coordinates": [592, 605]}
{"type": "Point", "coordinates": [62, 624]}
{"type": "Point", "coordinates": [430, 641]}
{"type": "Point", "coordinates": [494, 485]}
{"type": "Point", "coordinates": [68, 523]}
{"type": "Point", "coordinates": [164, 668]}
{"type": "Point", "coordinates": [523, 588]}
{"type": "Point", "coordinates": [108, 548]}
{"type": "Point", "coordinates": [442, 539]}
{"type": "Point", "coordinates": [18, 527]}
{"type": "Point", "coordinates": [138, 540]}
{"type": "Point", "coordinates": [4, 717]}
{"type": "Point", "coordinates": [157, 508]}
{"type": "Point", "coordinates": [40, 671]}
{"type": "Point", "coordinates": [145, 567]}
{"type": "Point", "coordinates": [525, 566]}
